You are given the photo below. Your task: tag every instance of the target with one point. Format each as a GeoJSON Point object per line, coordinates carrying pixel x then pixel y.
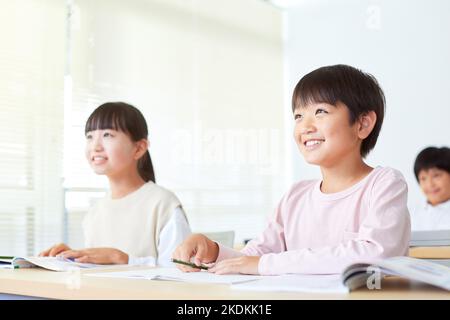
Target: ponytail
{"type": "Point", "coordinates": [145, 168]}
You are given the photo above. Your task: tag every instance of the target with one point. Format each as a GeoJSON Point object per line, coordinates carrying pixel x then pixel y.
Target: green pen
{"type": "Point", "coordinates": [189, 264]}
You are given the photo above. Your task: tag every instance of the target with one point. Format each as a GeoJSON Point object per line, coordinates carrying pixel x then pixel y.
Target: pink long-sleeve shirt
{"type": "Point", "coordinates": [316, 233]}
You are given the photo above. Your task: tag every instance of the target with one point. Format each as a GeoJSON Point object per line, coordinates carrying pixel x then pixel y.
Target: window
{"type": "Point", "coordinates": [31, 128]}
{"type": "Point", "coordinates": [207, 78]}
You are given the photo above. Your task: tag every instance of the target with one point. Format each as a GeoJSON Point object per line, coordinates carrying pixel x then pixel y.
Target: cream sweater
{"type": "Point", "coordinates": [133, 223]}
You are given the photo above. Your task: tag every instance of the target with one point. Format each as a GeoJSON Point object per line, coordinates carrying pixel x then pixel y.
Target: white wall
{"type": "Point", "coordinates": [405, 45]}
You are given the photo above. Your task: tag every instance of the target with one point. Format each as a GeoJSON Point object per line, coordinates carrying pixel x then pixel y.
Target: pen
{"type": "Point", "coordinates": [61, 258]}
{"type": "Point", "coordinates": [189, 264]}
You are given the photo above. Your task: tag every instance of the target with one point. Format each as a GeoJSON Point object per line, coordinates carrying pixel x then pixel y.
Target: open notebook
{"type": "Point", "coordinates": [310, 283]}
{"type": "Point", "coordinates": [174, 274]}
{"type": "Point", "coordinates": [354, 276]}
{"type": "Point", "coordinates": [50, 263]}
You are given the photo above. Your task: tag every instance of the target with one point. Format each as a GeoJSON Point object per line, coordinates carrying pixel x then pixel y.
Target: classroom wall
{"type": "Point", "coordinates": [405, 45]}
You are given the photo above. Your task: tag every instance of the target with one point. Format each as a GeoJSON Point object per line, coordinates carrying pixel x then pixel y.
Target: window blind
{"type": "Point", "coordinates": [31, 73]}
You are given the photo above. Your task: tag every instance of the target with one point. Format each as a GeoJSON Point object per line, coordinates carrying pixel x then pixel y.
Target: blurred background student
{"type": "Point", "coordinates": [432, 170]}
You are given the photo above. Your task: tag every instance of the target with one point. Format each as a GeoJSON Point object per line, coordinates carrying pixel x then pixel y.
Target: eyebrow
{"type": "Point", "coordinates": [317, 105]}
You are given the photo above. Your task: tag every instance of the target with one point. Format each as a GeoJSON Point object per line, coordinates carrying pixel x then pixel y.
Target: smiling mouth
{"type": "Point", "coordinates": [313, 142]}
{"type": "Point", "coordinates": [98, 158]}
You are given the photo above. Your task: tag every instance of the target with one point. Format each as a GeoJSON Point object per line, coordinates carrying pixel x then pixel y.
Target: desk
{"type": "Point", "coordinates": [438, 252]}
{"type": "Point", "coordinates": [65, 285]}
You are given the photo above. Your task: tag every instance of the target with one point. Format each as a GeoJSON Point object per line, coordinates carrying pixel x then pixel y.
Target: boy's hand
{"type": "Point", "coordinates": [55, 250]}
{"type": "Point", "coordinates": [97, 256]}
{"type": "Point", "coordinates": [198, 246]}
{"type": "Point", "coordinates": [245, 265]}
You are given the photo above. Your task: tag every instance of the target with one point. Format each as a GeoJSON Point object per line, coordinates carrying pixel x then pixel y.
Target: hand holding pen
{"type": "Point", "coordinates": [199, 247]}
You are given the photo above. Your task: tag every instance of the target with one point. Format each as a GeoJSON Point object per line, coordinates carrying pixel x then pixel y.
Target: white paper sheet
{"type": "Point", "coordinates": [297, 283]}
{"type": "Point", "coordinates": [50, 263]}
{"type": "Point", "coordinates": [59, 264]}
{"type": "Point", "coordinates": [175, 274]}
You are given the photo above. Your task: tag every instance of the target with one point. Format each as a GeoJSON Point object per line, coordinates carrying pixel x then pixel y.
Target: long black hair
{"type": "Point", "coordinates": [124, 117]}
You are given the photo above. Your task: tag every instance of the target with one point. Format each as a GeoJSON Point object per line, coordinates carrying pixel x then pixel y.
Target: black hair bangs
{"type": "Point", "coordinates": [432, 157]}
{"type": "Point", "coordinates": [315, 88]}
{"type": "Point", "coordinates": [107, 117]}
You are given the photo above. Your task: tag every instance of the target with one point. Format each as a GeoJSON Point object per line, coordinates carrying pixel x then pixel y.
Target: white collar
{"type": "Point", "coordinates": [444, 205]}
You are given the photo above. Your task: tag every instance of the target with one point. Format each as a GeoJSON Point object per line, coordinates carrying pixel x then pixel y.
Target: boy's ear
{"type": "Point", "coordinates": [141, 148]}
{"type": "Point", "coordinates": [366, 124]}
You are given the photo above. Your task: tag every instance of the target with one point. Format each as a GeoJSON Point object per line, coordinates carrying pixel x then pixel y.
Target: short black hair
{"type": "Point", "coordinates": [432, 157]}
{"type": "Point", "coordinates": [358, 90]}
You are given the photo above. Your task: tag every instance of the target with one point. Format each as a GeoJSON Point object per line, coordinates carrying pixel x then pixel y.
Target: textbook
{"type": "Point", "coordinates": [433, 245]}
{"type": "Point", "coordinates": [430, 238]}
{"type": "Point", "coordinates": [356, 276]}
{"type": "Point", "coordinates": [418, 270]}
{"type": "Point", "coordinates": [49, 263]}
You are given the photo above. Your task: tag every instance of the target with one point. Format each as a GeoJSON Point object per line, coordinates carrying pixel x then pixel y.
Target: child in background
{"type": "Point", "coordinates": [354, 213]}
{"type": "Point", "coordinates": [138, 222]}
{"type": "Point", "coordinates": [432, 170]}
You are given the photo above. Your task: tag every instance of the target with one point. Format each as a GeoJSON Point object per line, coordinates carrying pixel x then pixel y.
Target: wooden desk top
{"type": "Point", "coordinates": [72, 285]}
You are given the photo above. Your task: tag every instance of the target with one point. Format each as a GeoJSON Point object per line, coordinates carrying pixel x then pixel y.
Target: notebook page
{"type": "Point", "coordinates": [53, 263]}
{"type": "Point", "coordinates": [175, 274]}
{"type": "Point", "coordinates": [297, 283]}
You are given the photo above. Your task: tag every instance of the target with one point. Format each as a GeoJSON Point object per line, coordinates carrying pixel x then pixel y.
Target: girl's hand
{"type": "Point", "coordinates": [55, 250]}
{"type": "Point", "coordinates": [244, 265]}
{"type": "Point", "coordinates": [97, 256]}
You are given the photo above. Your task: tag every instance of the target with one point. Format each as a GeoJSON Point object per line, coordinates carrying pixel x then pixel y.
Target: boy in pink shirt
{"type": "Point", "coordinates": [355, 213]}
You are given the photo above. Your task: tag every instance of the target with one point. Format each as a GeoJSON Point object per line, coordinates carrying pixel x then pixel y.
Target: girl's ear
{"type": "Point", "coordinates": [141, 148]}
{"type": "Point", "coordinates": [366, 124]}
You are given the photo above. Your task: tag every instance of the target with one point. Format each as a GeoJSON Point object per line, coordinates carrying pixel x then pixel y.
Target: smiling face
{"type": "Point", "coordinates": [324, 135]}
{"type": "Point", "coordinates": [110, 152]}
{"type": "Point", "coordinates": [435, 184]}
